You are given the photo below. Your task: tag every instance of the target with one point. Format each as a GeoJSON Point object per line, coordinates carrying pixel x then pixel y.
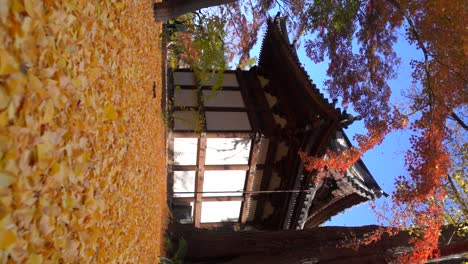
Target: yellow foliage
{"type": "Point", "coordinates": [34, 259]}
{"type": "Point", "coordinates": [6, 179]}
{"type": "Point", "coordinates": [8, 64]}
{"type": "Point", "coordinates": [7, 237]}
{"type": "Point", "coordinates": [82, 166]}
{"type": "Point", "coordinates": [110, 112]}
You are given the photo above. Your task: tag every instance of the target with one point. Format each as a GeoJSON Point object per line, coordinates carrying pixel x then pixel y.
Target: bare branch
{"type": "Point", "coordinates": [459, 120]}
{"type": "Point", "coordinates": [457, 195]}
{"type": "Point", "coordinates": [421, 45]}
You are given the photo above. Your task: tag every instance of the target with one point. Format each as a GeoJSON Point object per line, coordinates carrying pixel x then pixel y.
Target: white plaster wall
{"type": "Point", "coordinates": [225, 151]}
{"type": "Point", "coordinates": [224, 180]}
{"type": "Point", "coordinates": [184, 181]}
{"type": "Point", "coordinates": [226, 211]}
{"type": "Point", "coordinates": [185, 151]}
{"type": "Point", "coordinates": [219, 151]}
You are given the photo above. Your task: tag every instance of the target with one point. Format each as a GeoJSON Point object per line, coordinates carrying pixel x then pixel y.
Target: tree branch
{"type": "Point", "coordinates": [457, 195]}
{"type": "Point", "coordinates": [459, 120]}
{"type": "Point", "coordinates": [420, 44]}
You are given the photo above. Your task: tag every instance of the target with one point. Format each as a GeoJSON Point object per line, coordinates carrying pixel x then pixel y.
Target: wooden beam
{"type": "Point", "coordinates": [254, 153]}
{"type": "Point", "coordinates": [332, 207]}
{"type": "Point", "coordinates": [306, 93]}
{"type": "Point", "coordinates": [289, 170]}
{"type": "Point", "coordinates": [218, 225]}
{"type": "Point", "coordinates": [249, 100]}
{"type": "Point", "coordinates": [211, 167]}
{"type": "Point", "coordinates": [209, 199]}
{"type": "Point", "coordinates": [201, 109]}
{"type": "Point", "coordinates": [266, 120]}
{"type": "Point", "coordinates": [208, 88]}
{"type": "Point", "coordinates": [285, 105]}
{"type": "Point", "coordinates": [227, 134]}
{"type": "Point", "coordinates": [180, 134]}
{"type": "Point", "coordinates": [302, 179]}
{"type": "Point", "coordinates": [210, 108]}
{"type": "Point", "coordinates": [185, 108]}
{"type": "Point", "coordinates": [190, 70]}
{"type": "Point", "coordinates": [267, 172]}
{"type": "Point", "coordinates": [260, 166]}
{"type": "Point", "coordinates": [183, 200]}
{"type": "Point", "coordinates": [201, 155]}
{"type": "Point", "coordinates": [225, 109]}
{"type": "Point", "coordinates": [199, 177]}
{"type": "Point", "coordinates": [166, 10]}
{"type": "Point", "coordinates": [170, 100]}
{"type": "Point", "coordinates": [170, 166]}
{"type": "Point", "coordinates": [222, 198]}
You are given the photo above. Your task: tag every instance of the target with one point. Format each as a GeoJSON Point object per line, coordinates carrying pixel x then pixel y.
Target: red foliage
{"type": "Point", "coordinates": [361, 79]}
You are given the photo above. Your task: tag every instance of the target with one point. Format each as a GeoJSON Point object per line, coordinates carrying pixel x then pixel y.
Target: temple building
{"type": "Point", "coordinates": [233, 157]}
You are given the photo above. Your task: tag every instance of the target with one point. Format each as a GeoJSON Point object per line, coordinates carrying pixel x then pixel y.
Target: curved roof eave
{"type": "Point", "coordinates": [277, 32]}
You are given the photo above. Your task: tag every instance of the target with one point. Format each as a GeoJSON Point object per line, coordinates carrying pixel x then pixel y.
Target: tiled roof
{"type": "Point", "coordinates": [277, 31]}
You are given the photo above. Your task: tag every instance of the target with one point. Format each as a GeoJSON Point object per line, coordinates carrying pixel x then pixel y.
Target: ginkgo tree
{"type": "Point", "coordinates": [358, 37]}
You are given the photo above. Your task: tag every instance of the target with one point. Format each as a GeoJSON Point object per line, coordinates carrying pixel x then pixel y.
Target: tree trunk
{"type": "Point", "coordinates": [174, 8]}
{"type": "Point", "coordinates": [317, 245]}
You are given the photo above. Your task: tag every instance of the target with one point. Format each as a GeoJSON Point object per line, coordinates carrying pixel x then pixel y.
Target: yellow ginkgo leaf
{"type": "Point", "coordinates": [55, 168]}
{"type": "Point", "coordinates": [110, 112]}
{"type": "Point", "coordinates": [17, 7]}
{"type": "Point", "coordinates": [16, 84]}
{"type": "Point", "coordinates": [85, 157]}
{"type": "Point", "coordinates": [93, 74]}
{"type": "Point", "coordinates": [8, 63]}
{"type": "Point", "coordinates": [11, 111]}
{"type": "Point", "coordinates": [34, 259]}
{"type": "Point", "coordinates": [4, 210]}
{"type": "Point", "coordinates": [7, 237]}
{"type": "Point", "coordinates": [46, 225]}
{"type": "Point", "coordinates": [44, 151]}
{"type": "Point", "coordinates": [34, 83]}
{"type": "Point", "coordinates": [29, 6]}
{"type": "Point", "coordinates": [4, 9]}
{"type": "Point", "coordinates": [6, 179]}
{"type": "Point", "coordinates": [71, 192]}
{"type": "Point", "coordinates": [68, 201]}
{"type": "Point", "coordinates": [4, 99]}
{"type": "Point", "coordinates": [3, 118]}
{"type": "Point", "coordinates": [49, 112]}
